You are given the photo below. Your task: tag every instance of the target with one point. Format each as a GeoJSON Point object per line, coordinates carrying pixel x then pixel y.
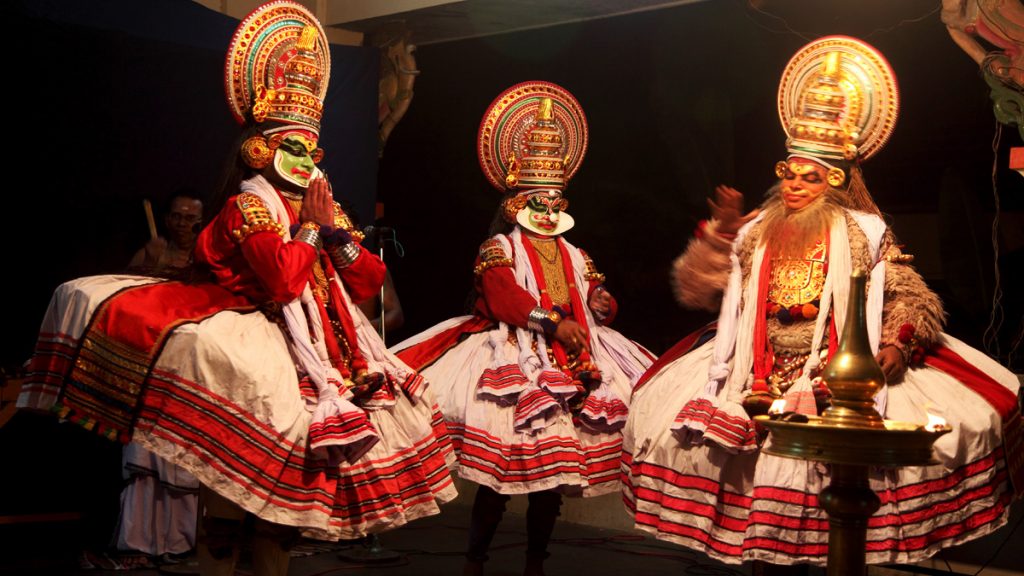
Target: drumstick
{"type": "Point", "coordinates": [149, 218]}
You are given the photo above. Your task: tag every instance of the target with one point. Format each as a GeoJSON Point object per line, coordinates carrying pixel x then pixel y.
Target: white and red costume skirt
{"type": "Point", "coordinates": [194, 374]}
{"type": "Point", "coordinates": [495, 444]}
{"type": "Point", "coordinates": [740, 505]}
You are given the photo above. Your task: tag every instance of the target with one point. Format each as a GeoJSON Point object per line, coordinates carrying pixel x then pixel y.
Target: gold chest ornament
{"type": "Point", "coordinates": [798, 281]}
{"type": "Point", "coordinates": [554, 274]}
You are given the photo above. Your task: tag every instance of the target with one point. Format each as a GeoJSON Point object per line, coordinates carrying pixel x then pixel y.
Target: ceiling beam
{"type": "Point", "coordinates": [342, 11]}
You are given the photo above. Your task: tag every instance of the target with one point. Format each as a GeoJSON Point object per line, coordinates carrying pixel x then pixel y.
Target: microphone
{"type": "Point", "coordinates": [383, 235]}
{"type": "Point", "coordinates": [372, 230]}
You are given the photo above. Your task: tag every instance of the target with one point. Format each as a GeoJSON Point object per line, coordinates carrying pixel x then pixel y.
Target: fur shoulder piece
{"type": "Point", "coordinates": [700, 274]}
{"type": "Point", "coordinates": [912, 314]}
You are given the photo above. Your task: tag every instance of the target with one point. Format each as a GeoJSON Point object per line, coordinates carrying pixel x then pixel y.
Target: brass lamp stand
{"type": "Point", "coordinates": [851, 437]}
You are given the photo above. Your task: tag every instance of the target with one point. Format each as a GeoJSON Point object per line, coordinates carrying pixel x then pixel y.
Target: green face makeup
{"type": "Point", "coordinates": [294, 160]}
{"type": "Point", "coordinates": [544, 211]}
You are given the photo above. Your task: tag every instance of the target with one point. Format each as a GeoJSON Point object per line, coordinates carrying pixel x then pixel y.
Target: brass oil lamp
{"type": "Point", "coordinates": [850, 437]}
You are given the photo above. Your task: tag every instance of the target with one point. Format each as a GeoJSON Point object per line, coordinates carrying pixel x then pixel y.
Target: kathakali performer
{"type": "Point", "coordinates": [780, 278]}
{"type": "Point", "coordinates": [534, 385]}
{"type": "Point", "coordinates": [268, 384]}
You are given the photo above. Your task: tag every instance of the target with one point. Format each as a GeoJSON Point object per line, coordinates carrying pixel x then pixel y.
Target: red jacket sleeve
{"type": "Point", "coordinates": [247, 255]}
{"type": "Point", "coordinates": [502, 298]}
{"type": "Point", "coordinates": [283, 268]}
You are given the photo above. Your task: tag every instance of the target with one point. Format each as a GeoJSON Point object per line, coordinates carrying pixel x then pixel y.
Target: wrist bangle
{"type": "Point", "coordinates": [309, 233]}
{"type": "Point", "coordinates": [543, 320]}
{"type": "Point", "coordinates": [344, 255]}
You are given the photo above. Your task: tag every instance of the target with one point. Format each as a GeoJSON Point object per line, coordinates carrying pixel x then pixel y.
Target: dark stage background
{"type": "Point", "coordinates": [112, 101]}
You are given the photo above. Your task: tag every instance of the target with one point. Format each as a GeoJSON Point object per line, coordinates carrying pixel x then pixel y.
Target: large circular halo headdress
{"type": "Point", "coordinates": [278, 66]}
{"type": "Point", "coordinates": [838, 100]}
{"type": "Point", "coordinates": [533, 136]}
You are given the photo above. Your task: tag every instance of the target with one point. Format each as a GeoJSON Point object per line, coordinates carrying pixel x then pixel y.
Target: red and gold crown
{"type": "Point", "coordinates": [533, 136]}
{"type": "Point", "coordinates": [838, 101]}
{"type": "Point", "coordinates": [278, 66]}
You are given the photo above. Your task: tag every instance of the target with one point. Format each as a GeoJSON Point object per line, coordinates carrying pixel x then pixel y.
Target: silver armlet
{"type": "Point", "coordinates": [310, 235]}
{"type": "Point", "coordinates": [542, 320]}
{"type": "Point", "coordinates": [343, 256]}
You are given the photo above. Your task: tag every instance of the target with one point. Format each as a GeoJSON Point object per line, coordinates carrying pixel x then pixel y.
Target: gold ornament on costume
{"type": "Point", "coordinates": [835, 177]}
{"type": "Point", "coordinates": [492, 255]}
{"type": "Point", "coordinates": [837, 100]}
{"type": "Point", "coordinates": [591, 275]}
{"type": "Point", "coordinates": [798, 281]}
{"type": "Point", "coordinates": [256, 154]}
{"type": "Point", "coordinates": [257, 217]}
{"type": "Point", "coordinates": [513, 173]}
{"type": "Point", "coordinates": [541, 158]}
{"type": "Point", "coordinates": [278, 66]}
{"type": "Point", "coordinates": [513, 205]}
{"type": "Point", "coordinates": [258, 151]}
{"type": "Point", "coordinates": [342, 220]}
{"type": "Point", "coordinates": [780, 169]}
{"type": "Point", "coordinates": [550, 258]}
{"type": "Point", "coordinates": [261, 104]}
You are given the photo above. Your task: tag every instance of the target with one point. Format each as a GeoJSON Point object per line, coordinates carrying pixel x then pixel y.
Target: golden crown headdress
{"type": "Point", "coordinates": [838, 101]}
{"type": "Point", "coordinates": [534, 135]}
{"type": "Point", "coordinates": [278, 66]}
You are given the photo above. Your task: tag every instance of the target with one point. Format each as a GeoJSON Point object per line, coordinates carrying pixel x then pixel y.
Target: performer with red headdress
{"type": "Point", "coordinates": [534, 385]}
{"type": "Point", "coordinates": [780, 277]}
{"type": "Point", "coordinates": [268, 385]}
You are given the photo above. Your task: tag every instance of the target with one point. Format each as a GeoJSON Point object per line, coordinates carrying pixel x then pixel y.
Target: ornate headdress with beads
{"type": "Point", "coordinates": [838, 102]}
{"type": "Point", "coordinates": [277, 71]}
{"type": "Point", "coordinates": [532, 137]}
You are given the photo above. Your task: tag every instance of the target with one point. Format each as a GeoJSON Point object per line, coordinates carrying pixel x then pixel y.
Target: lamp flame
{"type": "Point", "coordinates": [934, 422]}
{"type": "Point", "coordinates": [778, 406]}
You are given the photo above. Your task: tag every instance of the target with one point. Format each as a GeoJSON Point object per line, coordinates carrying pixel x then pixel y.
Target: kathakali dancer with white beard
{"type": "Point", "coordinates": [534, 385]}
{"type": "Point", "coordinates": [268, 384]}
{"type": "Point", "coordinates": [780, 278]}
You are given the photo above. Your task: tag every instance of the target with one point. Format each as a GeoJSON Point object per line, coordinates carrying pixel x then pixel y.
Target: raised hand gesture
{"type": "Point", "coordinates": [727, 208]}
{"type": "Point", "coordinates": [318, 203]}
